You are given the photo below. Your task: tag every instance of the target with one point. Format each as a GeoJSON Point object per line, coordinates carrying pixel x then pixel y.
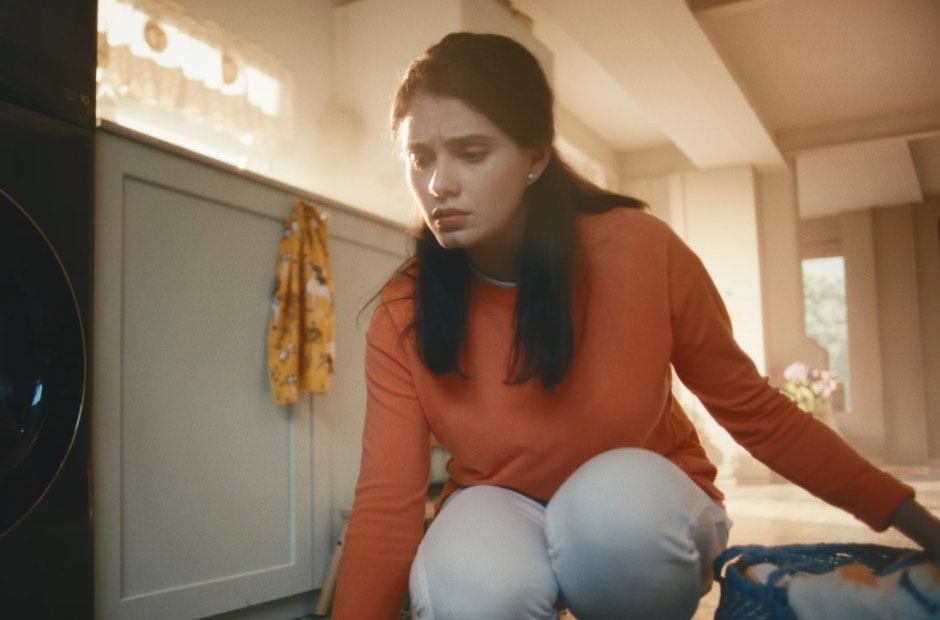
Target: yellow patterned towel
{"type": "Point", "coordinates": [301, 345]}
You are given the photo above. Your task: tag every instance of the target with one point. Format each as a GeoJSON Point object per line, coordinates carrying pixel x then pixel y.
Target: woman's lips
{"type": "Point", "coordinates": [449, 219]}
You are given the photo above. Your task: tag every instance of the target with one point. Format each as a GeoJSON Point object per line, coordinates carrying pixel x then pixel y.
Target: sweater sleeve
{"type": "Point", "coordinates": [765, 422]}
{"type": "Point", "coordinates": [387, 518]}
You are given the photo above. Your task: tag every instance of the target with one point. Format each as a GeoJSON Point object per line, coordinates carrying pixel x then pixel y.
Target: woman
{"type": "Point", "coordinates": [534, 333]}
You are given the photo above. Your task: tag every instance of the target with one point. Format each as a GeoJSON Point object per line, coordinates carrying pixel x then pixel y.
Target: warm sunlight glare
{"type": "Point", "coordinates": [159, 66]}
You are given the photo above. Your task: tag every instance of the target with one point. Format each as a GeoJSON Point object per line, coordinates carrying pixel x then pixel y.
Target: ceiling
{"type": "Point", "coordinates": [844, 93]}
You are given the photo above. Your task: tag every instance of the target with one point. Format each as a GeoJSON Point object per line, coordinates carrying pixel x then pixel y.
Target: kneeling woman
{"type": "Point", "coordinates": [534, 332]}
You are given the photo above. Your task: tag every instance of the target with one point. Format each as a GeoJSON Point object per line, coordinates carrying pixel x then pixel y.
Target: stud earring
{"type": "Point", "coordinates": [531, 178]}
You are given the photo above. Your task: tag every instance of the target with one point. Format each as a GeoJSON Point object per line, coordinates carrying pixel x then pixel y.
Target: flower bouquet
{"type": "Point", "coordinates": [809, 388]}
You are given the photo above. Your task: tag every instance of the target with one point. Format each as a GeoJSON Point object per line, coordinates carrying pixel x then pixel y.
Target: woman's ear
{"type": "Point", "coordinates": [540, 158]}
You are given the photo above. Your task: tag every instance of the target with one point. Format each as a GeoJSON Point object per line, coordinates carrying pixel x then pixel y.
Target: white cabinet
{"type": "Point", "coordinates": [209, 497]}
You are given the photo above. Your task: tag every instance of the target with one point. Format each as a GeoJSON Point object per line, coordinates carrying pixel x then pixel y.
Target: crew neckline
{"type": "Point", "coordinates": [492, 281]}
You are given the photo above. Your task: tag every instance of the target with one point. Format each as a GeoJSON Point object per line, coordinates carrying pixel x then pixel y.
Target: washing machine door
{"type": "Point", "coordinates": [42, 364]}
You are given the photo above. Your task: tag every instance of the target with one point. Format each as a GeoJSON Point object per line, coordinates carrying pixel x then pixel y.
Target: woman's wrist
{"type": "Point", "coordinates": [918, 524]}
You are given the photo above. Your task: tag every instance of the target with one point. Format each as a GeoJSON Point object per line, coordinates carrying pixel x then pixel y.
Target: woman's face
{"type": "Point", "coordinates": [469, 179]}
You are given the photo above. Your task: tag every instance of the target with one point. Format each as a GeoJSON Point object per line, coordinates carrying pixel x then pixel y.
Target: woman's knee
{"type": "Point", "coordinates": [630, 483]}
{"type": "Point", "coordinates": [620, 503]}
{"type": "Point", "coordinates": [624, 532]}
{"type": "Point", "coordinates": [466, 592]}
{"type": "Point", "coordinates": [484, 556]}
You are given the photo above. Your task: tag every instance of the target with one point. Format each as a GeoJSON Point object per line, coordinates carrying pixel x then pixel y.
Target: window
{"type": "Point", "coordinates": [165, 73]}
{"type": "Point", "coordinates": [826, 315]}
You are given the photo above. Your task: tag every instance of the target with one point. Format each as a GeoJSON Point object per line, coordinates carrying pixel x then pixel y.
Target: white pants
{"type": "Point", "coordinates": [628, 535]}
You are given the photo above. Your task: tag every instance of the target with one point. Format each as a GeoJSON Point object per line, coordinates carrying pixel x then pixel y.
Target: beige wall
{"type": "Point", "coordinates": [899, 325]}
{"type": "Point", "coordinates": [865, 426]}
{"type": "Point", "coordinates": [781, 280]}
{"type": "Point", "coordinates": [589, 146]}
{"type": "Point", "coordinates": [299, 34]}
{"type": "Point", "coordinates": [927, 244]}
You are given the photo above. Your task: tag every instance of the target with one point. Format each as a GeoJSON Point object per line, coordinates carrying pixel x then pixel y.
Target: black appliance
{"type": "Point", "coordinates": [47, 82]}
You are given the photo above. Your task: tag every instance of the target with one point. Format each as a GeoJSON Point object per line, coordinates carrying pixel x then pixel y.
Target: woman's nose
{"type": "Point", "coordinates": [443, 182]}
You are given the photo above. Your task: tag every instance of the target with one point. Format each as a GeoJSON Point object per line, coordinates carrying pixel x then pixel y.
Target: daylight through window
{"type": "Point", "coordinates": [165, 73]}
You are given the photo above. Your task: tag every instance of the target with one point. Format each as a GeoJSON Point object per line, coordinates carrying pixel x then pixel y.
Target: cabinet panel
{"type": "Point", "coordinates": [206, 452]}
{"type": "Point", "coordinates": [204, 496]}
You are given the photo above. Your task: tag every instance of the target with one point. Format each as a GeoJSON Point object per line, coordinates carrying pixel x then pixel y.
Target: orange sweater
{"type": "Point", "coordinates": [644, 304]}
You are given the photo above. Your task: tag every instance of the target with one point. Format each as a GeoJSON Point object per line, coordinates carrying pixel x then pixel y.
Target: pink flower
{"type": "Point", "coordinates": [809, 387]}
{"type": "Point", "coordinates": [797, 371]}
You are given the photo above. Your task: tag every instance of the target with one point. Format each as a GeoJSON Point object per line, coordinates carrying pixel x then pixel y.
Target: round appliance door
{"type": "Point", "coordinates": [42, 364]}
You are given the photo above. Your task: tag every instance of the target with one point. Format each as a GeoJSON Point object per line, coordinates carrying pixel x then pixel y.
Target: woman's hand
{"type": "Point", "coordinates": [920, 525]}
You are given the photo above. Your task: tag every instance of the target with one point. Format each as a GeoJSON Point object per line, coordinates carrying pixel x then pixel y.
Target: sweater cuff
{"type": "Point", "coordinates": [891, 493]}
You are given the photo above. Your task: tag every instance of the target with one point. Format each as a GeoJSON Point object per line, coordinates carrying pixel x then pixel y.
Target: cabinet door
{"type": "Point", "coordinates": [204, 496]}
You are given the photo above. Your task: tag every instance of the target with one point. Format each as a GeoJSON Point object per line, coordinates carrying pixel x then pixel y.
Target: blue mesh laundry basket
{"type": "Point", "coordinates": [743, 599]}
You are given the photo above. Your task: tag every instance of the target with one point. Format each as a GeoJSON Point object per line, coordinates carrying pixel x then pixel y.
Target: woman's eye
{"type": "Point", "coordinates": [419, 161]}
{"type": "Point", "coordinates": [473, 156]}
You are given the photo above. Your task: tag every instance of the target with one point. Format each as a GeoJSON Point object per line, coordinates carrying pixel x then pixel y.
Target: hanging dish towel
{"type": "Point", "coordinates": [301, 345]}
